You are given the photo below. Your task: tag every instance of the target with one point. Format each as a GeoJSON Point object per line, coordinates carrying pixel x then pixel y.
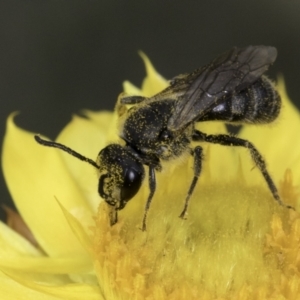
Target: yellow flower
{"type": "Point", "coordinates": [237, 242]}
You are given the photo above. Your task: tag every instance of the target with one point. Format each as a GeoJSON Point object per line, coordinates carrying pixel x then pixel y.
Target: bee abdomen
{"type": "Point", "coordinates": [259, 103]}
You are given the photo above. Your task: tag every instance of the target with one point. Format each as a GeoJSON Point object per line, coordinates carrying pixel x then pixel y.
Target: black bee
{"type": "Point", "coordinates": [232, 88]}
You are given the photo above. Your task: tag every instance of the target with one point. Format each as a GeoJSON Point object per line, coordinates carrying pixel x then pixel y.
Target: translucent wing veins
{"type": "Point", "coordinates": [198, 91]}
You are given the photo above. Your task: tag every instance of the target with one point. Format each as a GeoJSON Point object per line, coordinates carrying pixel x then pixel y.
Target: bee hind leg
{"type": "Point", "coordinates": [228, 140]}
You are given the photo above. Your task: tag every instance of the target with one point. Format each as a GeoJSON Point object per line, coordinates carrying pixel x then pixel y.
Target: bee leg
{"type": "Point", "coordinates": [127, 100]}
{"type": "Point", "coordinates": [130, 100]}
{"type": "Point", "coordinates": [152, 187]}
{"type": "Point", "coordinates": [197, 152]}
{"type": "Point", "coordinates": [228, 140]}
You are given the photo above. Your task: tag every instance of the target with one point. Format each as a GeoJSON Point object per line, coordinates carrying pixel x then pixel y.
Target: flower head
{"type": "Point", "coordinates": [237, 242]}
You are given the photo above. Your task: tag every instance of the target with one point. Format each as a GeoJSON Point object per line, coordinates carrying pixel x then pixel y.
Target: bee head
{"type": "Point", "coordinates": [121, 175]}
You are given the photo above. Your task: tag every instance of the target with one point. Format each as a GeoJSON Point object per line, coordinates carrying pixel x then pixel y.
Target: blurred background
{"type": "Point", "coordinates": [57, 57]}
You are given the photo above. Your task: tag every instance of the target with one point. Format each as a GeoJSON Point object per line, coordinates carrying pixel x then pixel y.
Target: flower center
{"type": "Point", "coordinates": [219, 248]}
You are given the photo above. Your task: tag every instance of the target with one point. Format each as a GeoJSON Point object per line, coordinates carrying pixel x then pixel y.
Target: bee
{"type": "Point", "coordinates": [232, 89]}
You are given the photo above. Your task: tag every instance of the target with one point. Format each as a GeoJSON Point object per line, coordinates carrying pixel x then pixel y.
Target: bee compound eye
{"type": "Point", "coordinates": [131, 185]}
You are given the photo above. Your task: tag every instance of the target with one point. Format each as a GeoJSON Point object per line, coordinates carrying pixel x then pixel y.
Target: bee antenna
{"type": "Point", "coordinates": [66, 149]}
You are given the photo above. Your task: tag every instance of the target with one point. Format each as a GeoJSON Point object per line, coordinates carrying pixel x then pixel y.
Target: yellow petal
{"type": "Point", "coordinates": [18, 253]}
{"type": "Point", "coordinates": [77, 228]}
{"type": "Point", "coordinates": [131, 89]}
{"type": "Point", "coordinates": [12, 290]}
{"type": "Point", "coordinates": [35, 175]}
{"type": "Point", "coordinates": [106, 123]}
{"type": "Point", "coordinates": [15, 221]}
{"type": "Point", "coordinates": [86, 138]}
{"type": "Point", "coordinates": [68, 291]}
{"type": "Point", "coordinates": [154, 82]}
{"type": "Point", "coordinates": [47, 265]}
{"type": "Point", "coordinates": [101, 118]}
{"type": "Point", "coordinates": [11, 243]}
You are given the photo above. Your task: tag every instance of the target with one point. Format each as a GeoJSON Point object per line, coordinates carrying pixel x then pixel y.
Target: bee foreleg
{"type": "Point", "coordinates": [152, 187]}
{"type": "Point", "coordinates": [197, 152]}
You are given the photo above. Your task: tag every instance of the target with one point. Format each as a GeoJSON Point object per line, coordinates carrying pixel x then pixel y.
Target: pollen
{"type": "Point", "coordinates": [234, 244]}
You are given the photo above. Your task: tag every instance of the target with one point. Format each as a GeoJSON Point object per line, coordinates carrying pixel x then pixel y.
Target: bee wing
{"type": "Point", "coordinates": [198, 92]}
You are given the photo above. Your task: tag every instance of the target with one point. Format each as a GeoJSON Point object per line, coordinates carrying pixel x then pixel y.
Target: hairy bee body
{"type": "Point", "coordinates": [232, 88]}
